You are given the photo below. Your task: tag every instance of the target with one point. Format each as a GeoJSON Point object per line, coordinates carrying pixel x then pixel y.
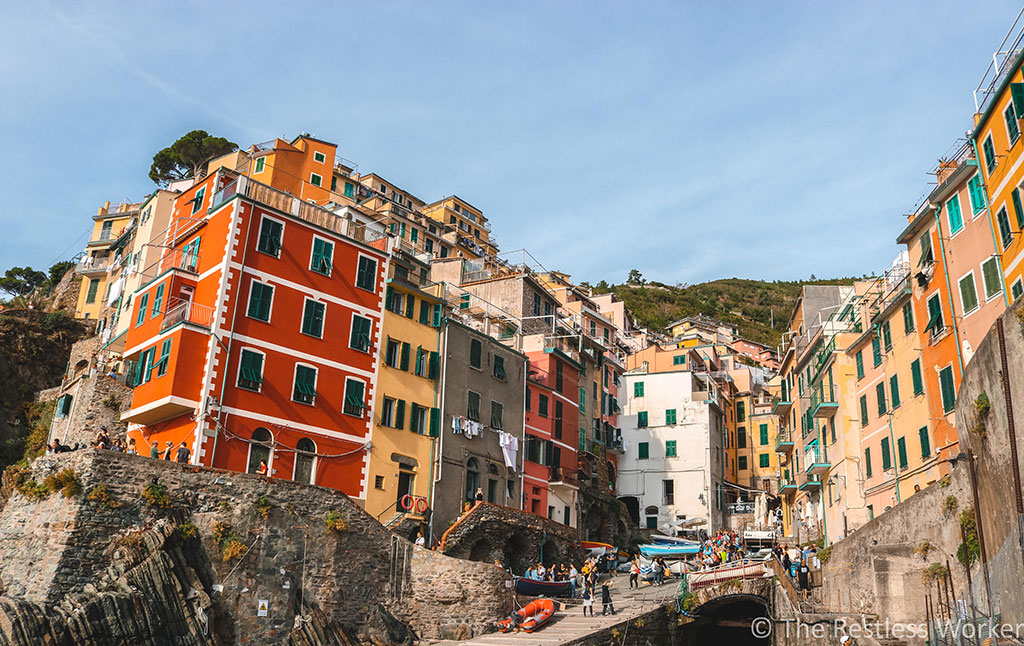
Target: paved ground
{"type": "Point", "coordinates": [569, 623]}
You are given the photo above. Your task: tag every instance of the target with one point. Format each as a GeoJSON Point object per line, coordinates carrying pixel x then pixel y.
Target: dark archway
{"type": "Point", "coordinates": [481, 551]}
{"type": "Point", "coordinates": [633, 507]}
{"type": "Point", "coordinates": [732, 619]}
{"type": "Point", "coordinates": [516, 552]}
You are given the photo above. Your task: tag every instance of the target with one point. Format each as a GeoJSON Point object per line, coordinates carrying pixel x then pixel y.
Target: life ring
{"type": "Point", "coordinates": [421, 504]}
{"type": "Point", "coordinates": [407, 502]}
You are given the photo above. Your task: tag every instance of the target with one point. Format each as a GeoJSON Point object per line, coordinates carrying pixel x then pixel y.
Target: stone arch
{"type": "Point", "coordinates": [516, 552]}
{"type": "Point", "coordinates": [481, 550]}
{"type": "Point", "coordinates": [632, 504]}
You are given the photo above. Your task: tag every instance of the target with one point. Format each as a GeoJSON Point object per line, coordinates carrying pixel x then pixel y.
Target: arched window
{"type": "Point", "coordinates": [259, 450]}
{"type": "Point", "coordinates": [652, 517]}
{"type": "Point", "coordinates": [305, 461]}
{"type": "Point", "coordinates": [472, 478]}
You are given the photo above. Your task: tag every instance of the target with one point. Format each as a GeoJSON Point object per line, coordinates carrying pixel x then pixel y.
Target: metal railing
{"type": "Point", "coordinates": [814, 455]}
{"type": "Point", "coordinates": [822, 395]}
{"type": "Point", "coordinates": [182, 311]}
{"type": "Point", "coordinates": [91, 263]}
{"type": "Point", "coordinates": [172, 259]}
{"type": "Point", "coordinates": [562, 474]}
{"type": "Point", "coordinates": [998, 70]}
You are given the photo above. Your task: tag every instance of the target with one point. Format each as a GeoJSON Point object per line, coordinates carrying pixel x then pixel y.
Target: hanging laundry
{"type": "Point", "coordinates": [509, 448]}
{"type": "Point", "coordinates": [456, 424]}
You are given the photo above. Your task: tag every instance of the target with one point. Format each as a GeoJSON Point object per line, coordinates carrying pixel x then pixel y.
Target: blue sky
{"type": "Point", "coordinates": [691, 140]}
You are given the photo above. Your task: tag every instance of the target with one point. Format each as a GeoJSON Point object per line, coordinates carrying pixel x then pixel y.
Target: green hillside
{"type": "Point", "coordinates": [750, 304]}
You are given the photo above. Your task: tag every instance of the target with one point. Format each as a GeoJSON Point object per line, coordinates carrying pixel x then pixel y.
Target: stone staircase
{"type": "Point", "coordinates": [569, 625]}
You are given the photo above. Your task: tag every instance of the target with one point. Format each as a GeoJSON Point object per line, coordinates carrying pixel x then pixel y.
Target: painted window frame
{"type": "Point", "coordinates": [316, 179]}
{"type": "Point", "coordinates": [280, 240]}
{"type": "Point", "coordinates": [329, 257]}
{"type": "Point", "coordinates": [323, 317]}
{"type": "Point", "coordinates": [960, 289]}
{"type": "Point", "coordinates": [369, 334]}
{"type": "Point", "coordinates": [322, 157]}
{"type": "Point", "coordinates": [344, 403]}
{"type": "Point", "coordinates": [295, 382]}
{"type": "Point", "coordinates": [260, 165]}
{"type": "Point", "coordinates": [248, 303]}
{"type": "Point", "coordinates": [238, 373]}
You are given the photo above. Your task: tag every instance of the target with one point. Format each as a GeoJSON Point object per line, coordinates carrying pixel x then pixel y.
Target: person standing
{"type": "Point", "coordinates": [420, 541]}
{"type": "Point", "coordinates": [588, 598]}
{"type": "Point", "coordinates": [606, 597]}
{"type": "Point", "coordinates": [804, 578]}
{"type": "Point", "coordinates": [169, 450]}
{"type": "Point", "coordinates": [154, 451]}
{"type": "Point", "coordinates": [184, 453]}
{"type": "Point", "coordinates": [634, 575]}
{"type": "Point", "coordinates": [263, 468]}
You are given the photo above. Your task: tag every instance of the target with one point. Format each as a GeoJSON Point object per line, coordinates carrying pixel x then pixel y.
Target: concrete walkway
{"type": "Point", "coordinates": [569, 624]}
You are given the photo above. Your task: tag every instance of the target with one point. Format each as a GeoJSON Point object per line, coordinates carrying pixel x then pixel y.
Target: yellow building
{"type": "Point", "coordinates": [472, 233]}
{"type": "Point", "coordinates": [406, 407]}
{"type": "Point", "coordinates": [100, 252]}
{"type": "Point", "coordinates": [756, 427]}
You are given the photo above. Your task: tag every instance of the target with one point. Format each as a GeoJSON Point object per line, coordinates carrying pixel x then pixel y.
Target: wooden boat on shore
{"type": "Point", "coordinates": [532, 588]}
{"type": "Point", "coordinates": [595, 549]}
{"type": "Point", "coordinates": [673, 551]}
{"type": "Point", "coordinates": [530, 617]}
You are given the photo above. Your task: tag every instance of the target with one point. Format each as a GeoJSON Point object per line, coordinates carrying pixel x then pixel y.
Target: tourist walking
{"type": "Point", "coordinates": [634, 574]}
{"type": "Point", "coordinates": [154, 451]}
{"type": "Point", "coordinates": [606, 597]}
{"type": "Point", "coordinates": [169, 451]}
{"type": "Point", "coordinates": [184, 453]}
{"type": "Point", "coordinates": [804, 579]}
{"type": "Point", "coordinates": [588, 598]}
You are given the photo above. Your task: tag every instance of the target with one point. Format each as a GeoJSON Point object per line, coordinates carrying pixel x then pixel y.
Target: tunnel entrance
{"type": "Point", "coordinates": [731, 620]}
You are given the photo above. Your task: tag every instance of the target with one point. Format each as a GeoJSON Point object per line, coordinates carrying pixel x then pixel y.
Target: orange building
{"type": "Point", "coordinates": [255, 339]}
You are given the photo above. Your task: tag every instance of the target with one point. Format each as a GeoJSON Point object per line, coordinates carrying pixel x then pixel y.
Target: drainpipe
{"type": "Point", "coordinates": [895, 461]}
{"type": "Point", "coordinates": [440, 413]}
{"type": "Point", "coordinates": [992, 227]}
{"type": "Point", "coordinates": [949, 293]}
{"type": "Point", "coordinates": [440, 432]}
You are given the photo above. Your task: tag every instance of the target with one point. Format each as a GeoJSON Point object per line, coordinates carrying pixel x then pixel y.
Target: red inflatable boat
{"type": "Point", "coordinates": [533, 615]}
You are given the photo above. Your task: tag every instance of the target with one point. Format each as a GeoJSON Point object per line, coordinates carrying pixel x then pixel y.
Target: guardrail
{"type": "Point", "coordinates": [183, 311]}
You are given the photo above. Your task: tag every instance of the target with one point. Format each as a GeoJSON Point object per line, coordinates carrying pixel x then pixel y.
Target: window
{"type": "Point", "coordinates": [391, 351]}
{"type": "Point", "coordinates": [304, 389]}
{"type": "Point", "coordinates": [926, 249]}
{"type": "Point", "coordinates": [915, 376]}
{"type": "Point", "coordinates": [583, 400]}
{"type": "Point", "coordinates": [323, 256]}
{"type": "Point", "coordinates": [259, 449]}
{"type": "Point", "coordinates": [558, 376]}
{"type": "Point", "coordinates": [499, 367]}
{"type": "Point", "coordinates": [270, 237]}
{"type": "Point", "coordinates": [558, 419]}
{"type": "Point", "coordinates": [250, 370]}
{"type": "Point", "coordinates": [261, 296]}
{"type": "Point", "coordinates": [968, 293]}
{"type": "Point", "coordinates": [956, 220]}
{"type": "Point", "coordinates": [908, 318]}
{"type": "Point", "coordinates": [542, 405]}
{"type": "Point", "coordinates": [880, 395]}
{"type": "Point", "coordinates": [638, 389]}
{"type": "Point", "coordinates": [990, 154]}
{"type": "Point", "coordinates": [360, 337]}
{"type": "Point", "coordinates": [354, 404]}
{"type": "Point", "coordinates": [197, 201]}
{"type": "Point", "coordinates": [417, 418]}
{"type": "Point", "coordinates": [475, 353]}
{"type": "Point", "coordinates": [643, 450]}
{"type": "Point", "coordinates": [860, 364]}
{"type": "Point", "coordinates": [421, 366]}
{"type": "Point", "coordinates": [901, 451]}
{"type": "Point", "coordinates": [926, 449]}
{"type": "Point", "coordinates": [886, 456]}
{"type": "Point", "coordinates": [305, 459]}
{"type": "Point", "coordinates": [158, 300]}
{"type": "Point", "coordinates": [313, 318]}
{"type": "Point", "coordinates": [894, 391]}
{"type": "Point", "coordinates": [641, 419]}
{"type": "Point", "coordinates": [261, 164]}
{"type": "Point", "coordinates": [935, 323]}
{"type": "Point", "coordinates": [741, 411]}
{"type": "Point", "coordinates": [404, 363]}
{"type": "Point", "coordinates": [319, 158]}
{"type": "Point", "coordinates": [741, 438]}
{"type": "Point", "coordinates": [1018, 210]}
{"type": "Point", "coordinates": [366, 274]}
{"type": "Point", "coordinates": [763, 461]}
{"type": "Point", "coordinates": [887, 336]}
{"type": "Point", "coordinates": [165, 357]}
{"type": "Point", "coordinates": [679, 360]}
{"type": "Point", "coordinates": [63, 407]}
{"type": "Point", "coordinates": [473, 405]}
{"type": "Point", "coordinates": [145, 366]}
{"type": "Point", "coordinates": [670, 416]}
{"type": "Point", "coordinates": [741, 463]}
{"type": "Point", "coordinates": [536, 304]}
{"type": "Point", "coordinates": [947, 389]}
{"type": "Point", "coordinates": [670, 448]}
{"type": "Point", "coordinates": [190, 255]}
{"type": "Point", "coordinates": [1012, 130]}
{"type": "Point", "coordinates": [990, 277]}
{"type": "Point", "coordinates": [425, 310]}
{"type": "Point", "coordinates": [316, 180]}
{"type": "Point", "coordinates": [529, 397]}
{"type": "Point", "coordinates": [668, 488]}
{"type": "Point", "coordinates": [414, 234]}
{"type": "Point", "coordinates": [496, 413]}
{"type": "Point", "coordinates": [1004, 227]}
{"type": "Point", "coordinates": [1017, 289]}
{"type": "Point", "coordinates": [876, 350]}
{"type": "Point", "coordinates": [867, 462]}
{"type": "Point", "coordinates": [977, 193]}
{"type": "Point", "coordinates": [94, 286]}
{"type": "Point", "coordinates": [763, 432]}
{"type": "Point", "coordinates": [143, 306]}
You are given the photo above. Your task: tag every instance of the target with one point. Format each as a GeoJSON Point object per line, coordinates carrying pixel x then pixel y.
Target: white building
{"type": "Point", "coordinates": [673, 432]}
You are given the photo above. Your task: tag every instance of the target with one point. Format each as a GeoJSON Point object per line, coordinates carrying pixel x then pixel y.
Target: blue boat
{"type": "Point", "coordinates": [532, 588]}
{"type": "Point", "coordinates": [670, 540]}
{"type": "Point", "coordinates": [669, 551]}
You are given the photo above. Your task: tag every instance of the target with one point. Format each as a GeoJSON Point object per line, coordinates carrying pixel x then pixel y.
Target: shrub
{"type": "Point", "coordinates": [102, 497]}
{"type": "Point", "coordinates": [982, 408]}
{"type": "Point", "coordinates": [335, 521]}
{"type": "Point", "coordinates": [924, 548]}
{"type": "Point", "coordinates": [825, 554]}
{"type": "Point", "coordinates": [64, 481]}
{"type": "Point", "coordinates": [111, 402]}
{"type": "Point", "coordinates": [234, 549]}
{"type": "Point", "coordinates": [188, 530]}
{"type": "Point", "coordinates": [950, 504]}
{"type": "Point", "coordinates": [934, 572]}
{"type": "Point", "coordinates": [222, 532]}
{"type": "Point", "coordinates": [971, 551]}
{"type": "Point", "coordinates": [263, 507]}
{"type": "Point", "coordinates": [133, 539]}
{"type": "Point", "coordinates": [155, 496]}
{"type": "Point", "coordinates": [945, 482]}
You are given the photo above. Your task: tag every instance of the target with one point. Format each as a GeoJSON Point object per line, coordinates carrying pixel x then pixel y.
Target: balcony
{"type": "Point", "coordinates": [179, 311]}
{"type": "Point", "coordinates": [786, 485]}
{"type": "Point", "coordinates": [91, 265]}
{"type": "Point", "coordinates": [784, 441]}
{"type": "Point", "coordinates": [782, 406]}
{"type": "Point", "coordinates": [562, 477]}
{"type": "Point", "coordinates": [809, 482]}
{"type": "Point", "coordinates": [816, 459]}
{"type": "Point", "coordinates": [823, 403]}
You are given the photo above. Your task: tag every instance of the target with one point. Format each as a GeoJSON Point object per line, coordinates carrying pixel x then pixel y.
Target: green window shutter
{"type": "Point", "coordinates": [935, 322]}
{"type": "Point", "coordinates": [418, 362]}
{"type": "Point", "coordinates": [313, 319]}
{"type": "Point", "coordinates": [741, 463]}
{"type": "Point", "coordinates": [876, 350]}
{"type": "Point", "coordinates": [886, 456]}
{"type": "Point", "coordinates": [305, 384]}
{"type": "Point", "coordinates": [583, 400]}
{"type": "Point", "coordinates": [956, 221]}
{"type": "Point", "coordinates": [763, 460]}
{"type": "Point", "coordinates": [670, 448]}
{"type": "Point", "coordinates": [1012, 129]}
{"type": "Point", "coordinates": [94, 285]}
{"type": "Point", "coordinates": [880, 395]}
{"type": "Point", "coordinates": [1004, 227]}
{"type": "Point", "coordinates": [399, 413]}
{"type": "Point", "coordinates": [643, 451]}
{"type": "Point", "coordinates": [165, 357]}
{"type": "Point", "coordinates": [763, 430]}
{"type": "Point", "coordinates": [1017, 94]}
{"type": "Point", "coordinates": [260, 298]}
{"type": "Point", "coordinates": [741, 412]}
{"type": "Point", "coordinates": [908, 318]}
{"type": "Point", "coordinates": [860, 364]}
{"type": "Point", "coordinates": [915, 376]}
{"type": "Point", "coordinates": [901, 449]}
{"type": "Point", "coordinates": [360, 337]}
{"type": "Point", "coordinates": [1018, 210]}
{"type": "Point", "coordinates": [894, 390]}
{"type": "Point", "coordinates": [323, 256]}
{"type": "Point", "coordinates": [926, 249]}
{"type": "Point", "coordinates": [401, 230]}
{"type": "Point", "coordinates": [670, 416]}
{"type": "Point", "coordinates": [475, 353]}
{"type": "Point", "coordinates": [435, 422]}
{"type": "Point", "coordinates": [473, 405]}
{"type": "Point", "coordinates": [867, 462]}
{"type": "Point", "coordinates": [679, 360]}
{"type": "Point", "coordinates": [968, 293]}
{"type": "Point", "coordinates": [158, 300]}
{"type": "Point", "coordinates": [977, 193]}
{"type": "Point", "coordinates": [250, 374]}
{"type": "Point", "coordinates": [437, 315]}
{"type": "Point", "coordinates": [947, 389]}
{"type": "Point", "coordinates": [990, 276]}
{"type": "Point", "coordinates": [641, 419]}
{"type": "Point", "coordinates": [434, 365]}
{"type": "Point", "coordinates": [863, 410]}
{"type": "Point", "coordinates": [410, 306]}
{"type": "Point", "coordinates": [926, 449]}
{"type": "Point", "coordinates": [887, 336]}
{"type": "Point", "coordinates": [497, 411]}
{"type": "Point", "coordinates": [499, 371]}
{"type": "Point", "coordinates": [143, 306]}
{"type": "Point", "coordinates": [270, 237]}
{"type": "Point", "coordinates": [638, 389]}
{"type": "Point", "coordinates": [414, 409]}
{"type": "Point", "coordinates": [366, 274]}
{"type": "Point", "coordinates": [405, 356]}
{"type": "Point", "coordinates": [425, 312]}
{"type": "Point", "coordinates": [741, 438]}
{"type": "Point", "coordinates": [990, 154]}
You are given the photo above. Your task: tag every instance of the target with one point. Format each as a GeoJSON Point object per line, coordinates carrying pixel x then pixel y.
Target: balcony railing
{"type": "Point", "coordinates": [785, 484]}
{"type": "Point", "coordinates": [90, 264]}
{"type": "Point", "coordinates": [815, 458]}
{"type": "Point", "coordinates": [182, 311]}
{"type": "Point", "coordinates": [173, 259]}
{"type": "Point", "coordinates": [784, 441]}
{"type": "Point", "coordinates": [823, 402]}
{"type": "Point", "coordinates": [563, 475]}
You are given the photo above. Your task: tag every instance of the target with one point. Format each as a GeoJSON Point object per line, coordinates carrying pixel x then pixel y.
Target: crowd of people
{"type": "Point", "coordinates": [797, 564]}
{"type": "Point", "coordinates": [584, 582]}
{"type": "Point", "coordinates": [171, 452]}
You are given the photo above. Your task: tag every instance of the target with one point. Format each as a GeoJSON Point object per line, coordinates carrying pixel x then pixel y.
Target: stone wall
{"type": "Point", "coordinates": [516, 538]}
{"type": "Point", "coordinates": [141, 560]}
{"type": "Point", "coordinates": [96, 401]}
